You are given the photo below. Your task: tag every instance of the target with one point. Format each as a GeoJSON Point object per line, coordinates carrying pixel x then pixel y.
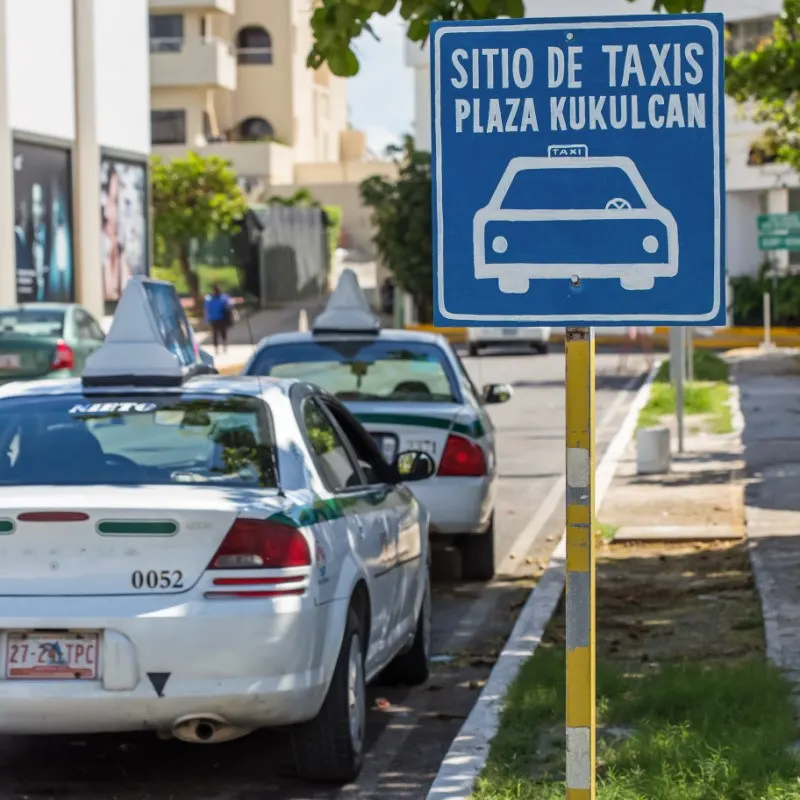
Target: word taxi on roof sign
{"type": "Point", "coordinates": [578, 171]}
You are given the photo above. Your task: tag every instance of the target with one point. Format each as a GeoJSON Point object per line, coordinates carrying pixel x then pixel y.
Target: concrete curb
{"type": "Point", "coordinates": [761, 570]}
{"type": "Point", "coordinates": [470, 749]}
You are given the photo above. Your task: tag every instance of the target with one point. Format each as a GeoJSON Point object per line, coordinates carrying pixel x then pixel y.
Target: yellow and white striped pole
{"type": "Point", "coordinates": [580, 605]}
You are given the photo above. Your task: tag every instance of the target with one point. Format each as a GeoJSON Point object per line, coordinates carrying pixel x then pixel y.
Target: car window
{"type": "Point", "coordinates": [83, 325]}
{"type": "Point", "coordinates": [119, 440]}
{"type": "Point", "coordinates": [32, 322]}
{"type": "Point", "coordinates": [95, 331]}
{"type": "Point", "coordinates": [374, 370]}
{"type": "Point", "coordinates": [372, 464]}
{"type": "Point", "coordinates": [333, 461]}
{"type": "Point", "coordinates": [469, 386]}
{"type": "Point", "coordinates": [572, 188]}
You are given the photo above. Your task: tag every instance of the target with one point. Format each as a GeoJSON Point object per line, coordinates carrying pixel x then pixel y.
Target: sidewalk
{"type": "Point", "coordinates": [769, 386]}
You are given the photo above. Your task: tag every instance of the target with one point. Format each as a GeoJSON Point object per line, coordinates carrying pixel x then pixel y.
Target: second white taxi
{"type": "Point", "coordinates": [202, 556]}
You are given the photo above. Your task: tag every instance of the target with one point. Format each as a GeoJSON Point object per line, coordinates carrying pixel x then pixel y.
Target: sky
{"type": "Point", "coordinates": [381, 96]}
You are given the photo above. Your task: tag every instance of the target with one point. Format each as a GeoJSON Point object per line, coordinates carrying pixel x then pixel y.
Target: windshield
{"type": "Point", "coordinates": [555, 188]}
{"type": "Point", "coordinates": [379, 371]}
{"type": "Point", "coordinates": [32, 322]}
{"type": "Point", "coordinates": [119, 440]}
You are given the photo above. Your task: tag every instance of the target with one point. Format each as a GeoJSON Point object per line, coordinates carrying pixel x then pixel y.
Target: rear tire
{"type": "Point", "coordinates": [477, 555]}
{"type": "Point", "coordinates": [330, 747]}
{"type": "Point", "coordinates": [412, 668]}
{"type": "Point", "coordinates": [473, 349]}
{"type": "Point", "coordinates": [542, 348]}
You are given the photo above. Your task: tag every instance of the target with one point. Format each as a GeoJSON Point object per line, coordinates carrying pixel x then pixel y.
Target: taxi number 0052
{"type": "Point", "coordinates": [157, 579]}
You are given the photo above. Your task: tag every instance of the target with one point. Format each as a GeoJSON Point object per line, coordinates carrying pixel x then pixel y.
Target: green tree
{"type": "Point", "coordinates": [769, 77]}
{"type": "Point", "coordinates": [337, 23]}
{"type": "Point", "coordinates": [401, 213]}
{"type": "Point", "coordinates": [195, 197]}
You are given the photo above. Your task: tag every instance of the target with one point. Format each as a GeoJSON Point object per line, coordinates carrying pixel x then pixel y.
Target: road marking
{"type": "Point", "coordinates": [470, 749]}
{"type": "Point", "coordinates": [524, 541]}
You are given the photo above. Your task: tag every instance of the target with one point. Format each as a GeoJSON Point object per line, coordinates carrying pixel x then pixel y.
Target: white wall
{"type": "Point", "coordinates": [741, 241]}
{"type": "Point", "coordinates": [40, 77]}
{"type": "Point", "coordinates": [122, 62]}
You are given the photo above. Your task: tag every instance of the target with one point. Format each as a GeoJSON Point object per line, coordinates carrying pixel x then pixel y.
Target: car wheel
{"type": "Point", "coordinates": [542, 348]}
{"type": "Point", "coordinates": [473, 349]}
{"type": "Point", "coordinates": [413, 667]}
{"type": "Point", "coordinates": [330, 747]}
{"type": "Point", "coordinates": [477, 555]}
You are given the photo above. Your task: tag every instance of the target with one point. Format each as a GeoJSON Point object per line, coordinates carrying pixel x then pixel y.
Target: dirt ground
{"type": "Point", "coordinates": [659, 603]}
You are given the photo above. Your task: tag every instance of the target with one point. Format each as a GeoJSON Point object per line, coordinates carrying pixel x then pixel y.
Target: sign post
{"type": "Point", "coordinates": [561, 152]}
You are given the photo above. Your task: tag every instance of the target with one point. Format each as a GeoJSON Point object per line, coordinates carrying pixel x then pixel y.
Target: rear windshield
{"type": "Point", "coordinates": [373, 371]}
{"type": "Point", "coordinates": [32, 322]}
{"type": "Point", "coordinates": [120, 441]}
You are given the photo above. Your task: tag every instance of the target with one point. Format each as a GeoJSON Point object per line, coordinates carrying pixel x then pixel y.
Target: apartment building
{"type": "Point", "coordinates": [74, 146]}
{"type": "Point", "coordinates": [752, 188]}
{"type": "Point", "coordinates": [229, 77]}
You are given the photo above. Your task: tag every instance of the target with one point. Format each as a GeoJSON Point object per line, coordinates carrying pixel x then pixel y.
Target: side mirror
{"type": "Point", "coordinates": [497, 393]}
{"type": "Point", "coordinates": [412, 465]}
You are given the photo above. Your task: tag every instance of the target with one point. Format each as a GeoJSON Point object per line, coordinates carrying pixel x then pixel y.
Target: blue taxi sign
{"type": "Point", "coordinates": [150, 341]}
{"type": "Point", "coordinates": [579, 171]}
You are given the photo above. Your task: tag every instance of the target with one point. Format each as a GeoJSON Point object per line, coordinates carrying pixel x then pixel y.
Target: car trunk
{"type": "Point", "coordinates": [131, 540]}
{"type": "Point", "coordinates": [23, 357]}
{"type": "Point", "coordinates": [410, 426]}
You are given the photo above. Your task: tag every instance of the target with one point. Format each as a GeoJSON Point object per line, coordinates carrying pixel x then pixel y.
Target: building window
{"type": "Point", "coordinates": [254, 45]}
{"type": "Point", "coordinates": [745, 35]}
{"type": "Point", "coordinates": [255, 129]}
{"type": "Point", "coordinates": [166, 33]}
{"type": "Point", "coordinates": [168, 127]}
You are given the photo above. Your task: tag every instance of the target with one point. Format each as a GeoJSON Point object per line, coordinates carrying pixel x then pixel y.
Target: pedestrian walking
{"type": "Point", "coordinates": [219, 315]}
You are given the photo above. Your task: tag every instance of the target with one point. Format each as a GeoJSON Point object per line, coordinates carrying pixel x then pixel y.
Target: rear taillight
{"type": "Point", "coordinates": [52, 516]}
{"type": "Point", "coordinates": [462, 457]}
{"type": "Point", "coordinates": [261, 544]}
{"type": "Point", "coordinates": [63, 358]}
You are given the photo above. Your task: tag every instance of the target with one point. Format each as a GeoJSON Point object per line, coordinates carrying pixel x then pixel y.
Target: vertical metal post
{"type": "Point", "coordinates": [680, 376]}
{"type": "Point", "coordinates": [767, 321]}
{"type": "Point", "coordinates": [690, 354]}
{"type": "Point", "coordinates": [580, 601]}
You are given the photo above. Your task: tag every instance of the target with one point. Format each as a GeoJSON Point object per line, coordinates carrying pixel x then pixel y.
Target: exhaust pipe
{"type": "Point", "coordinates": [206, 729]}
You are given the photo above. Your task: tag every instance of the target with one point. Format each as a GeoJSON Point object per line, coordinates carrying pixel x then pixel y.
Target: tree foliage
{"type": "Point", "coordinates": [769, 77]}
{"type": "Point", "coordinates": [401, 214]}
{"type": "Point", "coordinates": [336, 24]}
{"type": "Point", "coordinates": [195, 197]}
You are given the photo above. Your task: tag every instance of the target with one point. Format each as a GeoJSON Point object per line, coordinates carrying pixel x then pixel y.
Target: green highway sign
{"type": "Point", "coordinates": [779, 223]}
{"type": "Point", "coordinates": [782, 241]}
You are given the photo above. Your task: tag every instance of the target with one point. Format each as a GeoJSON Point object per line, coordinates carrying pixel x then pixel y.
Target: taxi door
{"type": "Point", "coordinates": [364, 517]}
{"type": "Point", "coordinates": [395, 512]}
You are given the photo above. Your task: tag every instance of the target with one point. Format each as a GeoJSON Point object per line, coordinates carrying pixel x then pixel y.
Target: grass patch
{"type": "Point", "coordinates": [708, 398]}
{"type": "Point", "coordinates": [226, 276]}
{"type": "Point", "coordinates": [697, 733]}
{"type": "Point", "coordinates": [605, 531]}
{"type": "Point", "coordinates": [707, 394]}
{"type": "Point", "coordinates": [708, 366]}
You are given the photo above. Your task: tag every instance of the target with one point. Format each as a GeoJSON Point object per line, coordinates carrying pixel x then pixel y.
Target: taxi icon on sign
{"type": "Point", "coordinates": [570, 215]}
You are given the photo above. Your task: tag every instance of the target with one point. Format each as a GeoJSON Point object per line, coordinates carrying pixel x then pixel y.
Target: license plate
{"type": "Point", "coordinates": [64, 656]}
{"type": "Point", "coordinates": [509, 331]}
{"type": "Point", "coordinates": [10, 361]}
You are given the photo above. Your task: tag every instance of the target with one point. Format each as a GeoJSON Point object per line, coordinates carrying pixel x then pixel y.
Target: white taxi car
{"type": "Point", "coordinates": [536, 338]}
{"type": "Point", "coordinates": [202, 555]}
{"type": "Point", "coordinates": [411, 392]}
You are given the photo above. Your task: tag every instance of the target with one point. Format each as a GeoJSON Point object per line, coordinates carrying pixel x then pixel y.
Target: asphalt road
{"type": "Point", "coordinates": [409, 731]}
